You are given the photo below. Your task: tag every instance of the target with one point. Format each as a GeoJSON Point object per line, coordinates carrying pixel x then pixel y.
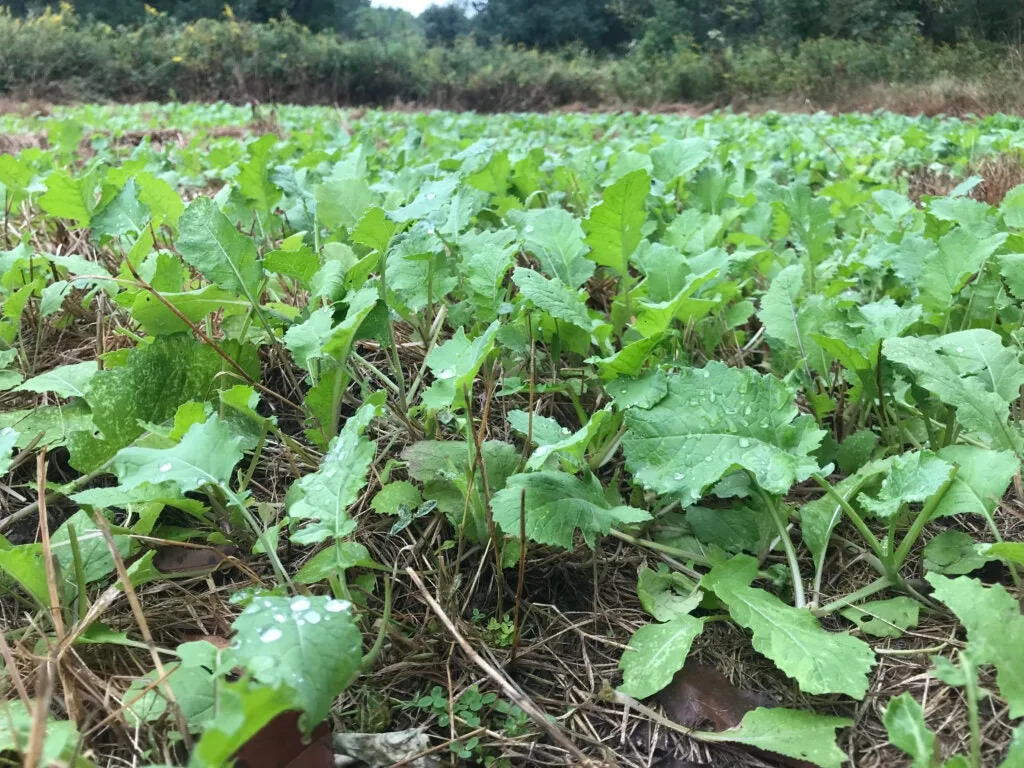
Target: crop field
{"type": "Point", "coordinates": [440, 439]}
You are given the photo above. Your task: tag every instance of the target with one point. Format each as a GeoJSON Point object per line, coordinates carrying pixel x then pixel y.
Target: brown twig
{"type": "Point", "coordinates": [520, 699]}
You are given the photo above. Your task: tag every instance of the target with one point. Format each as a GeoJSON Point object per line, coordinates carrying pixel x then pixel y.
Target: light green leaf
{"type": "Point", "coordinates": [486, 258]}
{"type": "Point", "coordinates": [206, 455]}
{"type": "Point", "coordinates": [980, 483]}
{"type": "Point", "coordinates": [570, 446]}
{"type": "Point", "coordinates": [25, 565]}
{"type": "Point", "coordinates": [208, 241]}
{"type": "Point", "coordinates": [953, 552]}
{"type": "Point", "coordinates": [884, 618]}
{"type": "Point", "coordinates": [613, 229]}
{"type": "Point", "coordinates": [319, 502]}
{"type": "Point", "coordinates": [309, 644]}
{"type": "Point", "coordinates": [242, 710]}
{"type": "Point", "coordinates": [946, 271]}
{"type": "Point", "coordinates": [319, 338]}
{"type": "Point", "coordinates": [158, 319]}
{"type": "Point", "coordinates": [253, 177]}
{"type": "Point", "coordinates": [67, 198]}
{"type": "Point", "coordinates": [96, 559]}
{"type": "Point", "coordinates": [557, 504]}
{"type": "Point", "coordinates": [70, 380]}
{"type": "Point", "coordinates": [60, 738]}
{"type": "Point", "coordinates": [971, 371]}
{"type": "Point", "coordinates": [994, 626]}
{"type": "Point", "coordinates": [1015, 757]}
{"type": "Point", "coordinates": [912, 477]}
{"type": "Point", "coordinates": [123, 215]}
{"type": "Point", "coordinates": [780, 310]}
{"type": "Point", "coordinates": [333, 562]}
{"type": "Point", "coordinates": [654, 318]}
{"type": "Point", "coordinates": [393, 496]}
{"type": "Point", "coordinates": [679, 157]}
{"type": "Point", "coordinates": [714, 420]}
{"type": "Point", "coordinates": [820, 661]}
{"type": "Point", "coordinates": [790, 732]}
{"type": "Point", "coordinates": [904, 722]}
{"type": "Point", "coordinates": [343, 201]}
{"type": "Point", "coordinates": [553, 296]}
{"type": "Point", "coordinates": [655, 653]}
{"type": "Point", "coordinates": [8, 442]}
{"type": "Point", "coordinates": [666, 594]}
{"type": "Point", "coordinates": [556, 239]}
{"type": "Point", "coordinates": [455, 365]}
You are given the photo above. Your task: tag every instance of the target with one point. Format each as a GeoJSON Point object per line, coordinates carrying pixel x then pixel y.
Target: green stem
{"type": "Point", "coordinates": [653, 545]}
{"type": "Point", "coordinates": [920, 521]}
{"type": "Point", "coordinates": [856, 519]}
{"type": "Point", "coordinates": [371, 657]}
{"type": "Point", "coordinates": [972, 692]}
{"type": "Point", "coordinates": [799, 598]}
{"type": "Point", "coordinates": [82, 599]}
{"type": "Point", "coordinates": [876, 586]}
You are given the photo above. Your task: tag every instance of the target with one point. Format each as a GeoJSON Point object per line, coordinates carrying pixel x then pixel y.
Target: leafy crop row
{"type": "Point", "coordinates": [733, 345]}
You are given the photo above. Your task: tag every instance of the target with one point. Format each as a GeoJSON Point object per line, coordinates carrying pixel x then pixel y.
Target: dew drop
{"type": "Point", "coordinates": [677, 476]}
{"type": "Point", "coordinates": [166, 467]}
{"type": "Point", "coordinates": [300, 604]}
{"type": "Point", "coordinates": [623, 391]}
{"type": "Point", "coordinates": [529, 228]}
{"type": "Point", "coordinates": [707, 374]}
{"type": "Point", "coordinates": [446, 374]}
{"type": "Point", "coordinates": [747, 411]}
{"type": "Point", "coordinates": [431, 195]}
{"type": "Point", "coordinates": [335, 606]}
{"type": "Point", "coordinates": [708, 459]}
{"type": "Point", "coordinates": [744, 443]}
{"type": "Point", "coordinates": [960, 350]}
{"type": "Point", "coordinates": [565, 431]}
{"type": "Point", "coordinates": [712, 397]}
{"type": "Point", "coordinates": [693, 403]}
{"type": "Point", "coordinates": [279, 617]}
{"type": "Point", "coordinates": [6, 431]}
{"type": "Point", "coordinates": [270, 635]}
{"type": "Point", "coordinates": [312, 617]}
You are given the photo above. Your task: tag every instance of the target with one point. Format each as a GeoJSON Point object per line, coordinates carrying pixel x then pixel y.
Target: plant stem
{"type": "Point", "coordinates": [855, 518]}
{"type": "Point", "coordinates": [876, 586]}
{"type": "Point", "coordinates": [971, 690]}
{"type": "Point", "coordinates": [920, 521]}
{"type": "Point", "coordinates": [799, 598]}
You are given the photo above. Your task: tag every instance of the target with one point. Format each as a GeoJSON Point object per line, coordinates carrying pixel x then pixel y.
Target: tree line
{"type": "Point", "coordinates": [602, 26]}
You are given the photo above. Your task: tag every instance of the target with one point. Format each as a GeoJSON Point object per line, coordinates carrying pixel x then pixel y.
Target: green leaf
{"type": "Point", "coordinates": [455, 365]}
{"type": "Point", "coordinates": [971, 371]}
{"type": "Point", "coordinates": [953, 552]}
{"type": "Point", "coordinates": [60, 738]}
{"type": "Point", "coordinates": [994, 626]}
{"type": "Point", "coordinates": [333, 562]}
{"type": "Point", "coordinates": [614, 226]}
{"type": "Point", "coordinates": [343, 201]}
{"type": "Point", "coordinates": [253, 177]}
{"type": "Point", "coordinates": [8, 442]}
{"type": "Point", "coordinates": [904, 722]}
{"type": "Point", "coordinates": [552, 439]}
{"type": "Point", "coordinates": [666, 594]}
{"type": "Point", "coordinates": [67, 198]}
{"type": "Point", "coordinates": [557, 504]}
{"type": "Point", "coordinates": [374, 230]}
{"type": "Point", "coordinates": [25, 565]}
{"type": "Point", "coordinates": [393, 496]}
{"type": "Point", "coordinates": [148, 388]}
{"type": "Point", "coordinates": [679, 157]}
{"type": "Point", "coordinates": [732, 530]}
{"type": "Point", "coordinates": [70, 380]}
{"type": "Point", "coordinates": [300, 264]}
{"type": "Point", "coordinates": [780, 310]}
{"type": "Point", "coordinates": [556, 239]}
{"type": "Point", "coordinates": [655, 653]}
{"type": "Point", "coordinates": [913, 476]}
{"type": "Point", "coordinates": [157, 319]}
{"type": "Point", "coordinates": [790, 732]}
{"type": "Point", "coordinates": [553, 296]}
{"type": "Point", "coordinates": [1015, 757]}
{"type": "Point", "coordinates": [486, 258]}
{"type": "Point", "coordinates": [716, 419]}
{"type": "Point", "coordinates": [318, 337]}
{"type": "Point", "coordinates": [945, 271]}
{"type": "Point", "coordinates": [309, 644]}
{"type": "Point", "coordinates": [242, 711]}
{"type": "Point", "coordinates": [208, 241]}
{"type": "Point", "coordinates": [206, 455]}
{"type": "Point", "coordinates": [123, 215]}
{"type": "Point", "coordinates": [980, 483]}
{"type": "Point", "coordinates": [319, 501]}
{"type": "Point", "coordinates": [884, 618]}
{"type": "Point", "coordinates": [96, 560]}
{"type": "Point", "coordinates": [819, 661]}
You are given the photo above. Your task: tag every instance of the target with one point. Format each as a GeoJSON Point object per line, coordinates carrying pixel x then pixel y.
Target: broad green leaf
{"type": "Point", "coordinates": [780, 306]}
{"type": "Point", "coordinates": [568, 445]}
{"type": "Point", "coordinates": [67, 197]}
{"type": "Point", "coordinates": [666, 594]}
{"type": "Point", "coordinates": [393, 496]}
{"type": "Point", "coordinates": [25, 565]}
{"type": "Point", "coordinates": [553, 296]}
{"type": "Point", "coordinates": [300, 264]}
{"type": "Point", "coordinates": [208, 241]}
{"type": "Point", "coordinates": [1015, 756]}
{"type": "Point", "coordinates": [717, 419]}
{"type": "Point", "coordinates": [790, 732]}
{"type": "Point", "coordinates": [912, 477]}
{"type": "Point", "coordinates": [732, 530]}
{"type": "Point", "coordinates": [679, 157]}
{"type": "Point", "coordinates": [971, 371]}
{"type": "Point", "coordinates": [333, 562]}
{"type": "Point", "coordinates": [343, 201]}
{"type": "Point", "coordinates": [994, 626]}
{"type": "Point", "coordinates": [206, 455]}
{"type": "Point", "coordinates": [455, 365]}
{"type": "Point", "coordinates": [253, 177]}
{"type": "Point", "coordinates": [557, 504]}
{"type": "Point", "coordinates": [946, 271]}
{"type": "Point", "coordinates": [655, 653]}
{"type": "Point", "coordinates": [70, 380]}
{"type": "Point", "coordinates": [374, 230]}
{"type": "Point", "coordinates": [904, 722]}
{"type": "Point", "coordinates": [654, 318]}
{"type": "Point", "coordinates": [556, 239]}
{"type": "Point", "coordinates": [543, 430]}
{"type": "Point", "coordinates": [308, 644]}
{"type": "Point", "coordinates": [884, 618]}
{"type": "Point", "coordinates": [819, 661]}
{"type": "Point", "coordinates": [627, 361]}
{"type": "Point", "coordinates": [318, 337]}
{"type": "Point", "coordinates": [148, 388]}
{"type": "Point", "coordinates": [980, 482]}
{"type": "Point", "coordinates": [194, 689]}
{"type": "Point", "coordinates": [157, 319]}
{"type": "Point", "coordinates": [123, 215]}
{"type": "Point", "coordinates": [318, 503]}
{"type": "Point", "coordinates": [96, 559]}
{"type": "Point", "coordinates": [954, 553]}
{"type": "Point", "coordinates": [486, 258]}
{"type": "Point", "coordinates": [642, 392]}
{"type": "Point", "coordinates": [613, 229]}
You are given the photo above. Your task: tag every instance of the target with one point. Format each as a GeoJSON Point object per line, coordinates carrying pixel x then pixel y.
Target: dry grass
{"type": "Point", "coordinates": [999, 174]}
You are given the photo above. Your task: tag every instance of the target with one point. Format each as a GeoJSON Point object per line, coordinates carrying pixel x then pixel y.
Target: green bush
{"type": "Point", "coordinates": [58, 56]}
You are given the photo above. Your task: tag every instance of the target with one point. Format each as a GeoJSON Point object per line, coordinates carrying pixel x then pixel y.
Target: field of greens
{"type": "Point", "coordinates": [524, 440]}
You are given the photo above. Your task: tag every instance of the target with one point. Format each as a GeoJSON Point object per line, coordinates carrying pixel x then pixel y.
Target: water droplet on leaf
{"type": "Point", "coordinates": [336, 606]}
{"type": "Point", "coordinates": [166, 467]}
{"type": "Point", "coordinates": [446, 374]}
{"type": "Point", "coordinates": [270, 635]}
{"type": "Point", "coordinates": [312, 617]}
{"type": "Point", "coordinates": [300, 604]}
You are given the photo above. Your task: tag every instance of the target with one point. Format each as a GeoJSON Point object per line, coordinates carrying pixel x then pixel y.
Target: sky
{"type": "Point", "coordinates": [415, 7]}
